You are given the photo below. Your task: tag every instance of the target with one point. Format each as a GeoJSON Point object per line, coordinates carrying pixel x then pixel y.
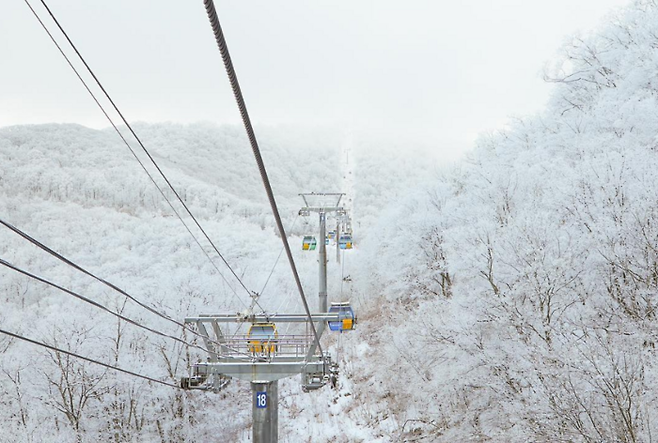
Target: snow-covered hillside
{"type": "Point", "coordinates": [81, 192]}
{"type": "Point", "coordinates": [510, 297]}
{"type": "Point", "coordinates": [525, 281]}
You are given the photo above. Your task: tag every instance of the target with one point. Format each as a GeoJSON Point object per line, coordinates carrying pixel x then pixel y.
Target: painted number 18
{"type": "Point", "coordinates": [261, 399]}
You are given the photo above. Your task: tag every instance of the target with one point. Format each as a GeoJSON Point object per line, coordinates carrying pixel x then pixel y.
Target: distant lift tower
{"type": "Point", "coordinates": [261, 355]}
{"type": "Point", "coordinates": [322, 204]}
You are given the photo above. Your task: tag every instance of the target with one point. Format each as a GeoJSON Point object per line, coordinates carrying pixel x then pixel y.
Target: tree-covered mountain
{"type": "Point", "coordinates": [82, 193]}
{"type": "Point", "coordinates": [526, 278]}
{"type": "Point", "coordinates": [509, 297]}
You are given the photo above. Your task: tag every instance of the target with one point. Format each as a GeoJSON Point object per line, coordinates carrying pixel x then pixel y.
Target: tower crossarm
{"type": "Point", "coordinates": [262, 318]}
{"type": "Point", "coordinates": [263, 371]}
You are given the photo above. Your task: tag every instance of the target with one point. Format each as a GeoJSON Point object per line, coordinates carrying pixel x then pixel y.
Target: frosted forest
{"type": "Point", "coordinates": [508, 297]}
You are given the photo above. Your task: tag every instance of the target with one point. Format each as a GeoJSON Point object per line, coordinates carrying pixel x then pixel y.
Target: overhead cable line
{"type": "Point", "coordinates": [260, 294]}
{"type": "Point", "coordinates": [93, 96]}
{"type": "Point", "coordinates": [237, 92]}
{"type": "Point", "coordinates": [98, 305]}
{"type": "Point", "coordinates": [69, 262]}
{"type": "Point", "coordinates": [125, 121]}
{"type": "Point", "coordinates": [90, 360]}
{"type": "Point", "coordinates": [277, 260]}
{"type": "Point", "coordinates": [342, 274]}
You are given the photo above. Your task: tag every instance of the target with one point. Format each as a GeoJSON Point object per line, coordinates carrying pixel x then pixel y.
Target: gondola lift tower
{"type": "Point", "coordinates": [267, 357]}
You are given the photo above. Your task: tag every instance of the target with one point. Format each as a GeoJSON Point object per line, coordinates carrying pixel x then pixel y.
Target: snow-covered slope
{"type": "Point", "coordinates": [81, 192]}
{"type": "Point", "coordinates": [524, 282]}
{"type": "Point", "coordinates": [511, 297]}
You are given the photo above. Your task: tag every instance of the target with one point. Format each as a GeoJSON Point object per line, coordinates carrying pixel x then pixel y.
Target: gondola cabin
{"type": "Point", "coordinates": [331, 235]}
{"type": "Point", "coordinates": [345, 242]}
{"type": "Point", "coordinates": [309, 243]}
{"type": "Point", "coordinates": [346, 320]}
{"type": "Point", "coordinates": [262, 338]}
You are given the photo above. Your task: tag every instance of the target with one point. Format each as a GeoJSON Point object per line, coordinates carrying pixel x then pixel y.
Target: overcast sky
{"type": "Point", "coordinates": [433, 70]}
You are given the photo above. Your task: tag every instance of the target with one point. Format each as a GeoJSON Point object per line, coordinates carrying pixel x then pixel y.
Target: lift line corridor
{"type": "Point", "coordinates": [263, 356]}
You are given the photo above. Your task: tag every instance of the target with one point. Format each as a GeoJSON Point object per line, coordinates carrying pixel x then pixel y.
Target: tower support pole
{"type": "Point", "coordinates": [322, 292]}
{"type": "Point", "coordinates": [337, 238]}
{"type": "Point", "coordinates": [265, 411]}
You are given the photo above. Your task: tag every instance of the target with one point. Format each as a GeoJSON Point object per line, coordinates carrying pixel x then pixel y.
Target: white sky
{"type": "Point", "coordinates": [432, 70]}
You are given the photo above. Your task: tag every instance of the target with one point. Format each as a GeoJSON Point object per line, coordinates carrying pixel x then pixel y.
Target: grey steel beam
{"type": "Point", "coordinates": [324, 209]}
{"type": "Point", "coordinates": [261, 318]}
{"type": "Point", "coordinates": [265, 371]}
{"type": "Point", "coordinates": [210, 346]}
{"type": "Point", "coordinates": [322, 194]}
{"type": "Point", "coordinates": [313, 346]}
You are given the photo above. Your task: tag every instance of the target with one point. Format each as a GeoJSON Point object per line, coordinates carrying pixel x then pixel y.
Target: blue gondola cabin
{"type": "Point", "coordinates": [345, 242]}
{"type": "Point", "coordinates": [346, 320]}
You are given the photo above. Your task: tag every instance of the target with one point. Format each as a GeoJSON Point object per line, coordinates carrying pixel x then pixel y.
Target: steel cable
{"type": "Point", "coordinates": [146, 151]}
{"type": "Point", "coordinates": [97, 305]}
{"type": "Point", "coordinates": [90, 360]}
{"type": "Point", "coordinates": [277, 260]}
{"type": "Point", "coordinates": [93, 96]}
{"type": "Point", "coordinates": [342, 274]}
{"type": "Point", "coordinates": [237, 92]}
{"type": "Point", "coordinates": [74, 265]}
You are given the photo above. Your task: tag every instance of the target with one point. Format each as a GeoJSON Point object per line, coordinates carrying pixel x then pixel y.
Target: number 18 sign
{"type": "Point", "coordinates": [261, 399]}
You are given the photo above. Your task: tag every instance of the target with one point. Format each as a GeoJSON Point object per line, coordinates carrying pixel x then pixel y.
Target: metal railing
{"type": "Point", "coordinates": [295, 345]}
